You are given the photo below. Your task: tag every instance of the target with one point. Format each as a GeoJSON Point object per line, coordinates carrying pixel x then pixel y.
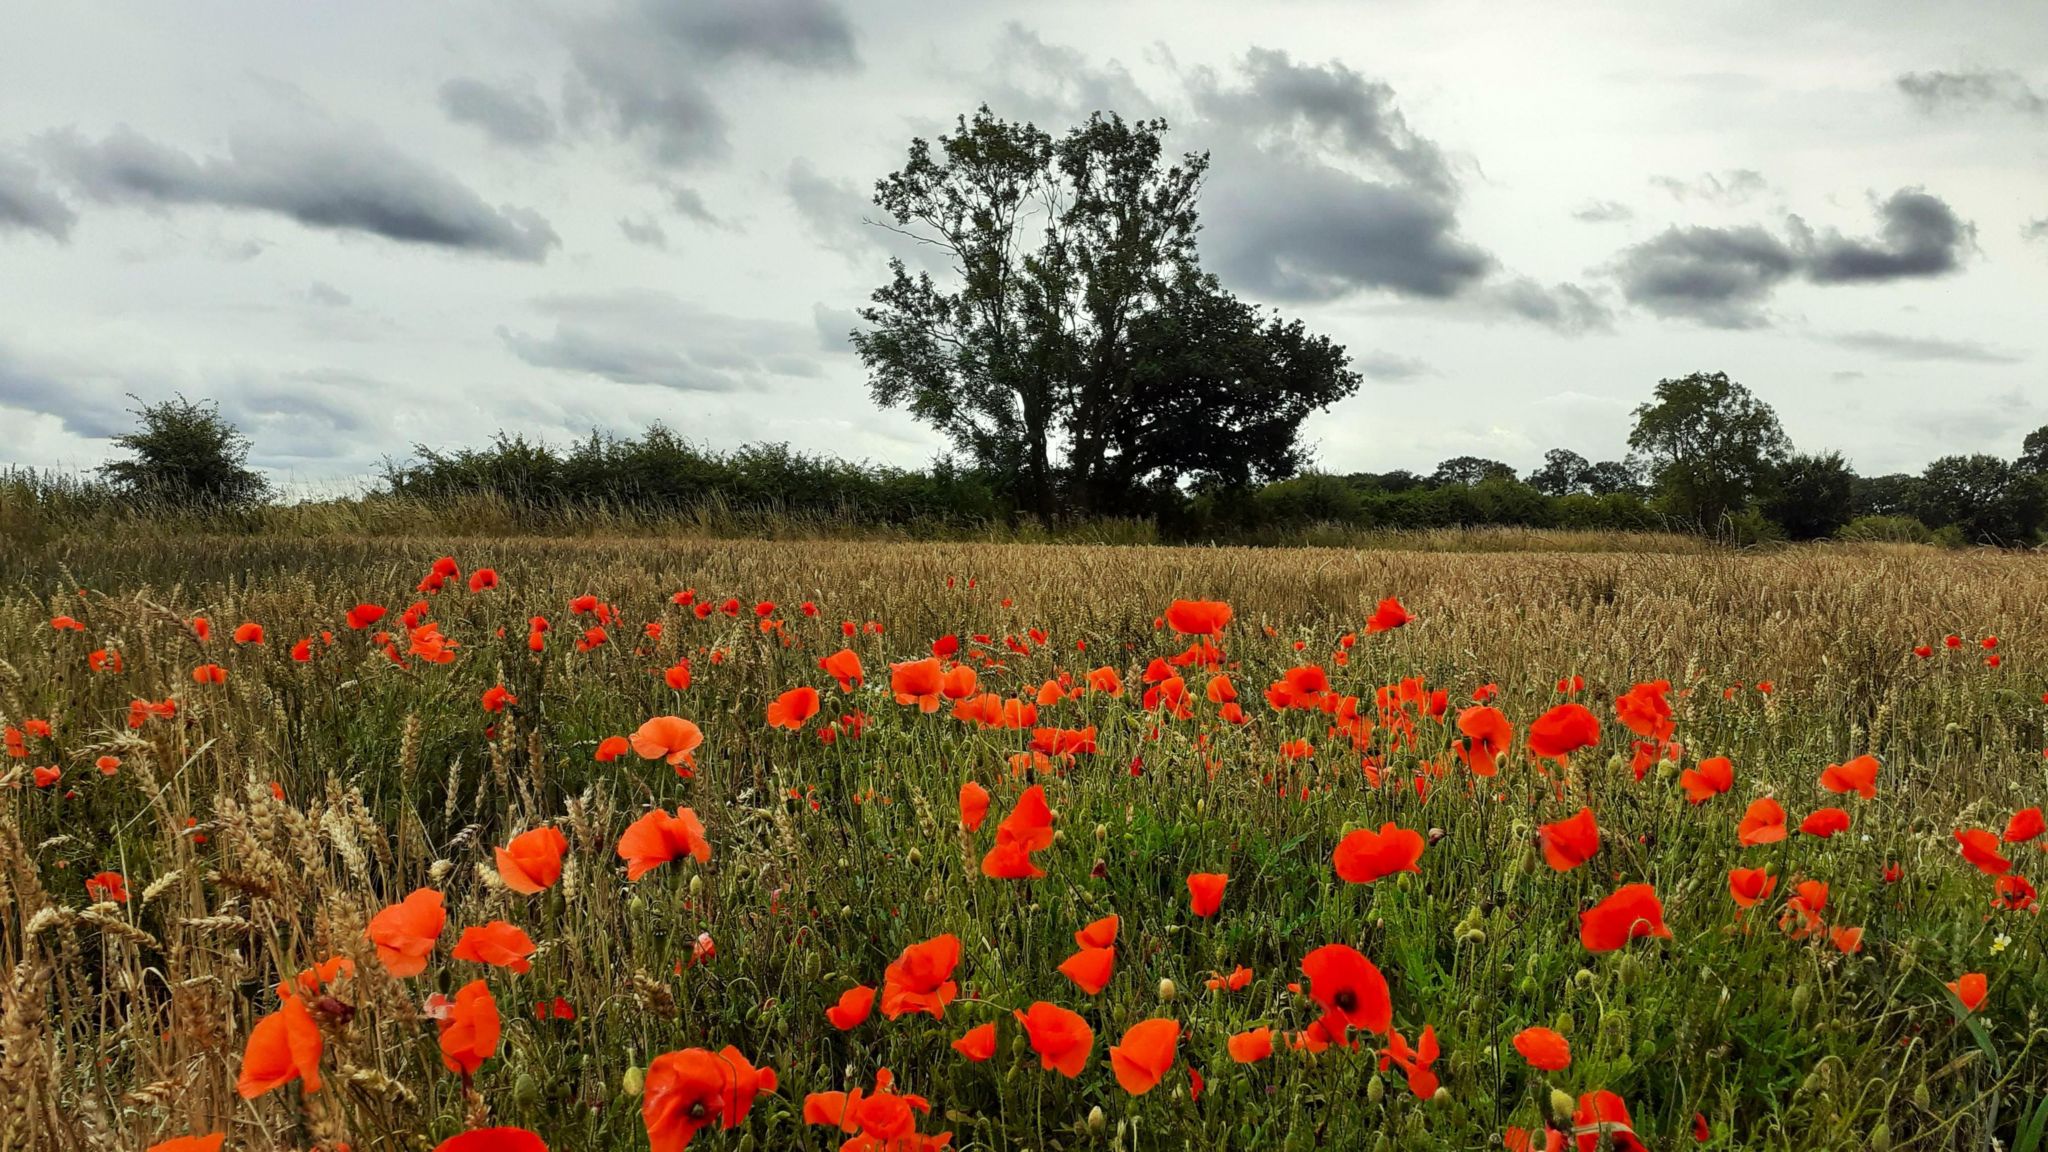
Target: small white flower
{"type": "Point", "coordinates": [2000, 943]}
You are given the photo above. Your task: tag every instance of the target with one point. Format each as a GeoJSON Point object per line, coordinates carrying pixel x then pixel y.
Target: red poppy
{"type": "Point", "coordinates": [1570, 842]}
{"type": "Point", "coordinates": [498, 944]}
{"type": "Point", "coordinates": [1364, 856]}
{"type": "Point", "coordinates": [669, 738]}
{"type": "Point", "coordinates": [844, 666]}
{"type": "Point", "coordinates": [492, 1140]}
{"type": "Point", "coordinates": [917, 682]}
{"type": "Point", "coordinates": [1544, 1049]}
{"type": "Point", "coordinates": [1026, 830]}
{"type": "Point", "coordinates": [1205, 892]}
{"type": "Point", "coordinates": [406, 932]}
{"type": "Point", "coordinates": [469, 1033]}
{"type": "Point", "coordinates": [1970, 988]}
{"type": "Point", "coordinates": [1825, 822]}
{"type": "Point", "coordinates": [688, 1090]}
{"type": "Point", "coordinates": [853, 1007]}
{"type": "Point", "coordinates": [1388, 616]}
{"type": "Point", "coordinates": [794, 708]}
{"type": "Point", "coordinates": [921, 978]}
{"type": "Point", "coordinates": [1488, 738]}
{"type": "Point", "coordinates": [283, 1046]}
{"type": "Point", "coordinates": [1715, 775]}
{"type": "Point", "coordinates": [977, 1043]}
{"type": "Point", "coordinates": [1198, 617]}
{"type": "Point", "coordinates": [1145, 1055]}
{"type": "Point", "coordinates": [1060, 1037]}
{"type": "Point", "coordinates": [1646, 710]}
{"type": "Point", "coordinates": [1748, 886]}
{"type": "Point", "coordinates": [1351, 990]}
{"type": "Point", "coordinates": [1562, 731]}
{"type": "Point", "coordinates": [1632, 912]}
{"type": "Point", "coordinates": [1763, 822]}
{"type": "Point", "coordinates": [657, 838]}
{"type": "Point", "coordinates": [1602, 1123]}
{"type": "Point", "coordinates": [973, 805]}
{"type": "Point", "coordinates": [1858, 775]}
{"type": "Point", "coordinates": [1415, 1061]}
{"type": "Point", "coordinates": [210, 1142]}
{"type": "Point", "coordinates": [1980, 848]}
{"type": "Point", "coordinates": [107, 886]}
{"type": "Point", "coordinates": [1250, 1047]}
{"type": "Point", "coordinates": [1090, 968]}
{"type": "Point", "coordinates": [363, 615]}
{"type": "Point", "coordinates": [611, 748]}
{"type": "Point", "coordinates": [2025, 825]}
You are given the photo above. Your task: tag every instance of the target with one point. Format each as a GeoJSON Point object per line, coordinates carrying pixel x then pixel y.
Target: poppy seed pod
{"type": "Point", "coordinates": [633, 1081]}
{"type": "Point", "coordinates": [1561, 1105]}
{"type": "Point", "coordinates": [1167, 989]}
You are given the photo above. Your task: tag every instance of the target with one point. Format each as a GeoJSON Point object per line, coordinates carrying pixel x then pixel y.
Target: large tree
{"type": "Point", "coordinates": [1812, 496]}
{"type": "Point", "coordinates": [1072, 340]}
{"type": "Point", "coordinates": [1709, 446]}
{"type": "Point", "coordinates": [1986, 499]}
{"type": "Point", "coordinates": [185, 452]}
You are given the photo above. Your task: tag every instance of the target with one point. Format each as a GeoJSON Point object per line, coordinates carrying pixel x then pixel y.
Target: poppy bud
{"type": "Point", "coordinates": [526, 1090]}
{"type": "Point", "coordinates": [1436, 836]}
{"type": "Point", "coordinates": [1441, 1096]}
{"type": "Point", "coordinates": [637, 904]}
{"type": "Point", "coordinates": [633, 1081]}
{"type": "Point", "coordinates": [1801, 997]}
{"type": "Point", "coordinates": [1881, 1138]}
{"type": "Point", "coordinates": [1473, 936]}
{"type": "Point", "coordinates": [697, 884]}
{"type": "Point", "coordinates": [915, 858]}
{"type": "Point", "coordinates": [1375, 1090]}
{"type": "Point", "coordinates": [1583, 978]}
{"type": "Point", "coordinates": [1101, 832]}
{"type": "Point", "coordinates": [1922, 1099]}
{"type": "Point", "coordinates": [1562, 1105]}
{"type": "Point", "coordinates": [1167, 990]}
{"type": "Point", "coordinates": [1097, 1121]}
{"type": "Point", "coordinates": [1563, 1024]}
{"type": "Point", "coordinates": [1631, 971]}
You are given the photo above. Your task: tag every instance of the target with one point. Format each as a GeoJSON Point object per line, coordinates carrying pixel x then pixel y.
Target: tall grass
{"type": "Point", "coordinates": [121, 1024]}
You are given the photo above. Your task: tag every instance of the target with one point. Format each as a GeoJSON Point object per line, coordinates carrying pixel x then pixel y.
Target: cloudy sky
{"type": "Point", "coordinates": [365, 225]}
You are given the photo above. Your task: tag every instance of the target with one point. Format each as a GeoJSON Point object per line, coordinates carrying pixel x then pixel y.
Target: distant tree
{"type": "Point", "coordinates": [1813, 496]}
{"type": "Point", "coordinates": [186, 452]}
{"type": "Point", "coordinates": [2034, 453]}
{"type": "Point", "coordinates": [1614, 478]}
{"type": "Point", "coordinates": [1896, 494]}
{"type": "Point", "coordinates": [1563, 473]}
{"type": "Point", "coordinates": [1074, 308]}
{"type": "Point", "coordinates": [1397, 481]}
{"type": "Point", "coordinates": [1214, 391]}
{"type": "Point", "coordinates": [1987, 499]}
{"type": "Point", "coordinates": [1465, 471]}
{"type": "Point", "coordinates": [1710, 446]}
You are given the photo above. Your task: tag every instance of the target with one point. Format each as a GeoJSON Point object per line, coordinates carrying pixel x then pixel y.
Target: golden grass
{"type": "Point", "coordinates": [123, 1024]}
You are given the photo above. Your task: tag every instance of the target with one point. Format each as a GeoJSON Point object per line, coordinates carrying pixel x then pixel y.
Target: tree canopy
{"type": "Point", "coordinates": [186, 452]}
{"type": "Point", "coordinates": [1709, 446]}
{"type": "Point", "coordinates": [1072, 340]}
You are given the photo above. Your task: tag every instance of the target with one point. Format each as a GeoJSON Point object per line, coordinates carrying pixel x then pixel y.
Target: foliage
{"type": "Point", "coordinates": [1812, 496]}
{"type": "Point", "coordinates": [1708, 445]}
{"type": "Point", "coordinates": [1987, 500]}
{"type": "Point", "coordinates": [259, 827]}
{"type": "Point", "coordinates": [1073, 342]}
{"type": "Point", "coordinates": [186, 453]}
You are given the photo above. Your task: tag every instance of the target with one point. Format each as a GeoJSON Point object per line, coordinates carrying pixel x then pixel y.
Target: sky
{"type": "Point", "coordinates": [364, 226]}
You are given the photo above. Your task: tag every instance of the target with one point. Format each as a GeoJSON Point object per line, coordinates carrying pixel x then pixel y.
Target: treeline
{"type": "Point", "coordinates": [1705, 457]}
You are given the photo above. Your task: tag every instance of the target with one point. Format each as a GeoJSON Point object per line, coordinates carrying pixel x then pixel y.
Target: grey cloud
{"type": "Point", "coordinates": [2035, 229]}
{"type": "Point", "coordinates": [834, 210]}
{"type": "Point", "coordinates": [834, 326]}
{"type": "Point", "coordinates": [653, 338]}
{"type": "Point", "coordinates": [1720, 277]}
{"type": "Point", "coordinates": [1295, 230]}
{"type": "Point", "coordinates": [690, 203]}
{"type": "Point", "coordinates": [1565, 308]}
{"type": "Point", "coordinates": [1899, 347]}
{"type": "Point", "coordinates": [1325, 108]}
{"type": "Point", "coordinates": [1390, 367]}
{"type": "Point", "coordinates": [1056, 84]}
{"type": "Point", "coordinates": [645, 232]}
{"type": "Point", "coordinates": [511, 117]}
{"type": "Point", "coordinates": [28, 206]}
{"type": "Point", "coordinates": [1941, 91]}
{"type": "Point", "coordinates": [1921, 236]}
{"type": "Point", "coordinates": [1603, 212]}
{"type": "Point", "coordinates": [1724, 277]}
{"type": "Point", "coordinates": [321, 292]}
{"type": "Point", "coordinates": [639, 70]}
{"type": "Point", "coordinates": [1733, 187]}
{"type": "Point", "coordinates": [340, 181]}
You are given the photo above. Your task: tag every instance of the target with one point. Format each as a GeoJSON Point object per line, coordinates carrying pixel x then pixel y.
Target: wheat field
{"type": "Point", "coordinates": [202, 841]}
